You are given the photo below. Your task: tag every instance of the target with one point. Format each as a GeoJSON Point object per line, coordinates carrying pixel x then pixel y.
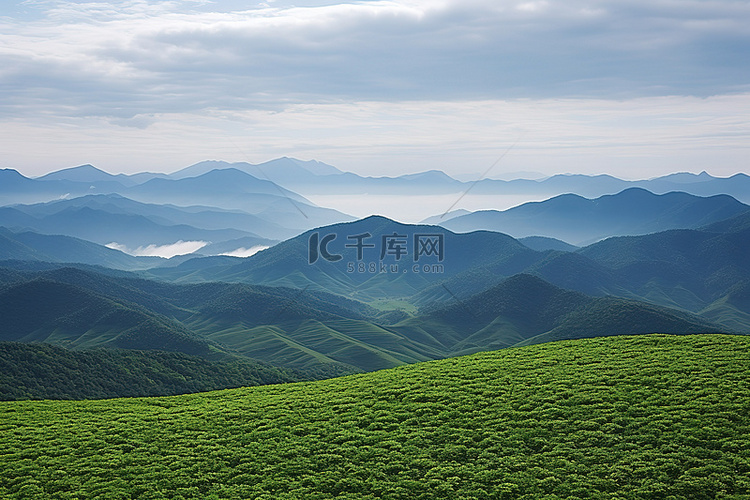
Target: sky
{"type": "Point", "coordinates": [634, 88]}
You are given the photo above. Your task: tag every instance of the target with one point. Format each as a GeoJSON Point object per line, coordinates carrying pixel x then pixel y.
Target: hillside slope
{"type": "Point", "coordinates": [43, 371]}
{"type": "Point", "coordinates": [632, 417]}
{"type": "Point", "coordinates": [40, 310]}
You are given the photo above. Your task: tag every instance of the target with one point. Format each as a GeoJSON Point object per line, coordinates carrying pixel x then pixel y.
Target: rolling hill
{"type": "Point", "coordinates": [525, 309]}
{"type": "Point", "coordinates": [684, 269]}
{"type": "Point", "coordinates": [303, 328]}
{"type": "Point", "coordinates": [40, 310]}
{"type": "Point", "coordinates": [636, 417]}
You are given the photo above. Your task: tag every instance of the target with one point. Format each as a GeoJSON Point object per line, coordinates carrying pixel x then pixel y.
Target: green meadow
{"type": "Point", "coordinates": [651, 416]}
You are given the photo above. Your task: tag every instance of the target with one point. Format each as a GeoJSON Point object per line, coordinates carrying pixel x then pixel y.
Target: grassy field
{"type": "Point", "coordinates": [619, 417]}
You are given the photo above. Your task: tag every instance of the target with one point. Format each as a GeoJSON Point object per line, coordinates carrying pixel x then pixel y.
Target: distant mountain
{"type": "Point", "coordinates": [438, 219]}
{"type": "Point", "coordinates": [593, 186]}
{"type": "Point", "coordinates": [737, 186]}
{"type": "Point", "coordinates": [130, 230]}
{"type": "Point", "coordinates": [234, 189]}
{"type": "Point", "coordinates": [312, 177]}
{"type": "Point", "coordinates": [397, 260]}
{"type": "Point", "coordinates": [579, 220]}
{"type": "Point", "coordinates": [543, 243]}
{"type": "Point", "coordinates": [696, 266]}
{"type": "Point", "coordinates": [85, 173]}
{"type": "Point", "coordinates": [90, 174]}
{"type": "Point", "coordinates": [280, 171]}
{"type": "Point", "coordinates": [30, 246]}
{"type": "Point", "coordinates": [224, 189]}
{"type": "Point", "coordinates": [188, 218]}
{"type": "Point", "coordinates": [15, 188]}
{"type": "Point", "coordinates": [524, 309]}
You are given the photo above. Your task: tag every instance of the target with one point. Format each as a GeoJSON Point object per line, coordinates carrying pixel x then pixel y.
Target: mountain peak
{"type": "Point", "coordinates": [81, 173]}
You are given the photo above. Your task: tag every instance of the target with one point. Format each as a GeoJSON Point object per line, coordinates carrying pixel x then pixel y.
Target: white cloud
{"type": "Point", "coordinates": [135, 57]}
{"type": "Point", "coordinates": [135, 84]}
{"type": "Point", "coordinates": [634, 137]}
{"type": "Point", "coordinates": [245, 252]}
{"type": "Point", "coordinates": [166, 251]}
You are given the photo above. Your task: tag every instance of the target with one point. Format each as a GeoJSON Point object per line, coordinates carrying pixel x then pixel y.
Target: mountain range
{"type": "Point", "coordinates": [232, 208]}
{"type": "Point", "coordinates": [313, 177]}
{"type": "Point", "coordinates": [581, 221]}
{"type": "Point", "coordinates": [302, 328]}
{"type": "Point", "coordinates": [259, 272]}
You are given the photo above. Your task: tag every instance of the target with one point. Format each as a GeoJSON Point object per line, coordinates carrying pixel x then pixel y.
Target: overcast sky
{"type": "Point", "coordinates": [636, 88]}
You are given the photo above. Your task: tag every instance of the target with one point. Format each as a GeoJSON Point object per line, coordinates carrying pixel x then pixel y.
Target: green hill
{"type": "Point", "coordinates": [28, 245]}
{"type": "Point", "coordinates": [525, 309]}
{"type": "Point", "coordinates": [289, 264]}
{"type": "Point", "coordinates": [619, 417]}
{"type": "Point", "coordinates": [41, 310]}
{"type": "Point", "coordinates": [43, 371]}
{"type": "Point", "coordinates": [308, 329]}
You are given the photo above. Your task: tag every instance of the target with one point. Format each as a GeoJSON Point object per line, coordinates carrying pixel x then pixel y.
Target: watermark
{"type": "Point", "coordinates": [388, 253]}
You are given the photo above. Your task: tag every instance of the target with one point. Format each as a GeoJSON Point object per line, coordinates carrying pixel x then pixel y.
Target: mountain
{"type": "Point", "coordinates": [397, 260]}
{"type": "Point", "coordinates": [636, 417]}
{"type": "Point", "coordinates": [579, 220]}
{"type": "Point", "coordinates": [437, 219]}
{"type": "Point", "coordinates": [134, 231]}
{"type": "Point", "coordinates": [690, 268]}
{"type": "Point", "coordinates": [83, 309]}
{"type": "Point", "coordinates": [30, 246]}
{"type": "Point", "coordinates": [737, 224]}
{"type": "Point", "coordinates": [192, 218]}
{"type": "Point", "coordinates": [84, 173]}
{"type": "Point", "coordinates": [90, 174]}
{"type": "Point", "coordinates": [543, 243]}
{"type": "Point", "coordinates": [594, 186]}
{"type": "Point", "coordinates": [16, 188]}
{"type": "Point", "coordinates": [683, 269]}
{"type": "Point", "coordinates": [525, 309]}
{"type": "Point", "coordinates": [737, 186]}
{"type": "Point", "coordinates": [302, 328]}
{"type": "Point", "coordinates": [226, 189]}
{"type": "Point", "coordinates": [234, 189]}
{"type": "Point", "coordinates": [280, 171]}
{"type": "Point", "coordinates": [49, 311]}
{"type": "Point", "coordinates": [313, 177]}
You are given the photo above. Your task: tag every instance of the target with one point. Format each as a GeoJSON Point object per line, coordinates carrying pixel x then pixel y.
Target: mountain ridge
{"type": "Point", "coordinates": [629, 212]}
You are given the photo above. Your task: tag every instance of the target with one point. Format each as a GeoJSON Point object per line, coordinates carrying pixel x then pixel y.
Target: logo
{"type": "Point", "coordinates": [388, 253]}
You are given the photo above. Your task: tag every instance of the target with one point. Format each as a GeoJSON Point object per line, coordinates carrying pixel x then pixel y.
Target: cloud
{"type": "Point", "coordinates": [376, 85]}
{"type": "Point", "coordinates": [245, 252]}
{"type": "Point", "coordinates": [128, 58]}
{"type": "Point", "coordinates": [643, 136]}
{"type": "Point", "coordinates": [166, 251]}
